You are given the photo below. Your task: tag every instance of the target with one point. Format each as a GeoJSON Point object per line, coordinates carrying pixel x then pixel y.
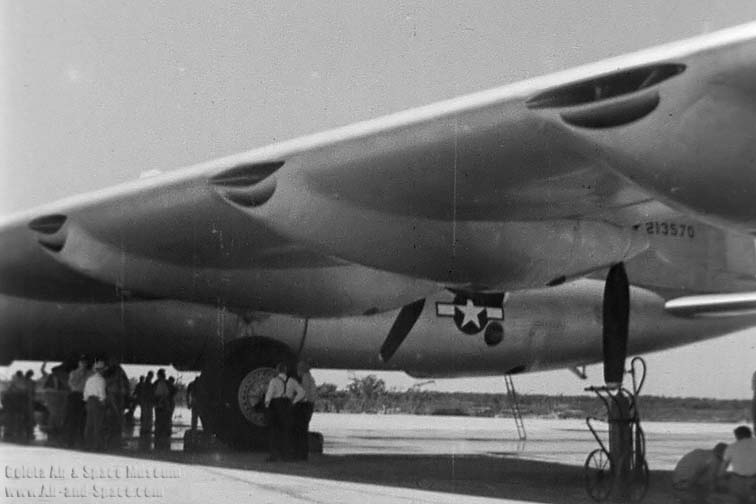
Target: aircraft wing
{"type": "Point", "coordinates": [464, 192]}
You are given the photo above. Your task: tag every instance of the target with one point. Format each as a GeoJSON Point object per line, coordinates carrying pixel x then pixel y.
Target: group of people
{"type": "Point", "coordinates": [726, 473]}
{"type": "Point", "coordinates": [289, 403]}
{"type": "Point", "coordinates": [18, 405]}
{"type": "Point", "coordinates": [90, 405]}
{"type": "Point", "coordinates": [83, 407]}
{"type": "Point", "coordinates": [156, 401]}
{"type": "Point", "coordinates": [97, 393]}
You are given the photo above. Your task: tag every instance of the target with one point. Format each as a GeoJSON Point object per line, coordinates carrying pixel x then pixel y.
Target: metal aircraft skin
{"type": "Point", "coordinates": [467, 237]}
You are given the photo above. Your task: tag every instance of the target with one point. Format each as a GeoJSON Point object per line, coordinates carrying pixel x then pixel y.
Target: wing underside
{"type": "Point", "coordinates": [460, 193]}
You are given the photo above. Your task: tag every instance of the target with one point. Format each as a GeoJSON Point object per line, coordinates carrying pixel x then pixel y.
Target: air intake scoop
{"type": "Point", "coordinates": [247, 185]}
{"type": "Point", "coordinates": [610, 100]}
{"type": "Point", "coordinates": [48, 224]}
{"type": "Point", "coordinates": [246, 175]}
{"type": "Point", "coordinates": [606, 87]}
{"type": "Point", "coordinates": [47, 228]}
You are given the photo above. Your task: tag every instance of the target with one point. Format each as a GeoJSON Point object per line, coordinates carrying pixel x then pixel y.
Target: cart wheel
{"type": "Point", "coordinates": [640, 445]}
{"type": "Point", "coordinates": [598, 475]}
{"type": "Point", "coordinates": [638, 485]}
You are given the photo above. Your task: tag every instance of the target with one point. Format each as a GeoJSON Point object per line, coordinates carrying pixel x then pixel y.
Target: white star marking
{"type": "Point", "coordinates": [470, 312]}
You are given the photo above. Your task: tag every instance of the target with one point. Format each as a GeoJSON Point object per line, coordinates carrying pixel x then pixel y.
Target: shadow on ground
{"type": "Point", "coordinates": [497, 475]}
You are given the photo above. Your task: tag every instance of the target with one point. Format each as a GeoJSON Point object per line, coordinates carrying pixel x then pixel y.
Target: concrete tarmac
{"type": "Point", "coordinates": [368, 458]}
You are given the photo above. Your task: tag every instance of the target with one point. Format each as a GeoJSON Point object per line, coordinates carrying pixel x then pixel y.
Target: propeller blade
{"type": "Point", "coordinates": [403, 324]}
{"type": "Point", "coordinates": [616, 320]}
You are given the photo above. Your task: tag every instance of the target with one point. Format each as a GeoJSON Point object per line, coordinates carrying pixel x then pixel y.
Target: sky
{"type": "Point", "coordinates": [93, 93]}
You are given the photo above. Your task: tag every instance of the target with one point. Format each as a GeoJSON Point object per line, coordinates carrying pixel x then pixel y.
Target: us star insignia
{"type": "Point", "coordinates": [469, 317]}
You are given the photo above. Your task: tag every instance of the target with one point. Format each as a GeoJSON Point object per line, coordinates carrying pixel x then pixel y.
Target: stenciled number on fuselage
{"type": "Point", "coordinates": [671, 229]}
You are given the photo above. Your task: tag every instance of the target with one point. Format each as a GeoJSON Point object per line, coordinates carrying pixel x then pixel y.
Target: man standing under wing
{"type": "Point", "coordinates": [74, 421]}
{"type": "Point", "coordinates": [281, 394]}
{"type": "Point", "coordinates": [303, 412]}
{"type": "Point", "coordinates": [94, 397]}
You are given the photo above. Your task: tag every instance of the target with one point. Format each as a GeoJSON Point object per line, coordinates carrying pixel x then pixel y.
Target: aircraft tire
{"type": "Point", "coordinates": [230, 398]}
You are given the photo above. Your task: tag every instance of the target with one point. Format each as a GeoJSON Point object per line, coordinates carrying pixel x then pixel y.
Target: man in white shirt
{"type": "Point", "coordinates": [282, 385]}
{"type": "Point", "coordinates": [281, 394]}
{"type": "Point", "coordinates": [74, 421]}
{"type": "Point", "coordinates": [739, 461]}
{"type": "Point", "coordinates": [94, 397]}
{"type": "Point", "coordinates": [303, 412]}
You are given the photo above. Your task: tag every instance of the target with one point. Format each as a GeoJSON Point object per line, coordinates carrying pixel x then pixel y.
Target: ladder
{"type": "Point", "coordinates": [515, 406]}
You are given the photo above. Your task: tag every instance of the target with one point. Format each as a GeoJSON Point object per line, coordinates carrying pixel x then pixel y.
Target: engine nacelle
{"type": "Point", "coordinates": [527, 331]}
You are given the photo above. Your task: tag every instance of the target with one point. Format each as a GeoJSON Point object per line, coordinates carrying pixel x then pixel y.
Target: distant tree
{"type": "Point", "coordinates": [369, 387]}
{"type": "Point", "coordinates": [326, 390]}
{"type": "Point", "coordinates": [366, 394]}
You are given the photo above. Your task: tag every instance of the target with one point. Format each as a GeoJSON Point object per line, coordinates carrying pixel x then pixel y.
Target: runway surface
{"type": "Point", "coordinates": [368, 458]}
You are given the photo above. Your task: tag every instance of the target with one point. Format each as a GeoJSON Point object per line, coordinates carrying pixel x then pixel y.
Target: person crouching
{"type": "Point", "coordinates": [695, 475]}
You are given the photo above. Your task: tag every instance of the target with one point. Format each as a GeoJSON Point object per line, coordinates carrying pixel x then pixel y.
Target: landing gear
{"type": "Point", "coordinates": [621, 469]}
{"type": "Point", "coordinates": [231, 393]}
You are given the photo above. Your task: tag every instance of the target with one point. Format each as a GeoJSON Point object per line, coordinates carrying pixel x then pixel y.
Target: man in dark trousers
{"type": "Point", "coordinates": [117, 390]}
{"type": "Point", "coordinates": [75, 404]}
{"type": "Point", "coordinates": [163, 399]}
{"type": "Point", "coordinates": [282, 392]}
{"type": "Point", "coordinates": [303, 412]}
{"type": "Point", "coordinates": [95, 397]}
{"type": "Point", "coordinates": [173, 389]}
{"type": "Point", "coordinates": [146, 405]}
{"type": "Point", "coordinates": [31, 391]}
{"type": "Point", "coordinates": [190, 403]}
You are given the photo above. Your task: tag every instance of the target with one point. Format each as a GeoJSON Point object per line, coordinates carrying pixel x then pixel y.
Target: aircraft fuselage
{"type": "Point", "coordinates": [530, 330]}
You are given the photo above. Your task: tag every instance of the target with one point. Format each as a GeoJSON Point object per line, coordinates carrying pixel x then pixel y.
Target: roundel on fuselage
{"type": "Point", "coordinates": [472, 314]}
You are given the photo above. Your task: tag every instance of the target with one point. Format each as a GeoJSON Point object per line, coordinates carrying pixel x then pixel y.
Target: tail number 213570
{"type": "Point", "coordinates": [671, 229]}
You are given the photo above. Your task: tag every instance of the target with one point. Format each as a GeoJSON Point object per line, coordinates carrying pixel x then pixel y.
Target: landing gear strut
{"type": "Point", "coordinates": [619, 470]}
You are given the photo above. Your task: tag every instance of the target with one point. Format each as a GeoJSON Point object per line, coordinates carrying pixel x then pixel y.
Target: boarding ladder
{"type": "Point", "coordinates": [515, 406]}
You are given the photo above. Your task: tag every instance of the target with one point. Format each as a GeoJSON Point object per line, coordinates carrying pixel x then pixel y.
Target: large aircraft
{"type": "Point", "coordinates": [552, 223]}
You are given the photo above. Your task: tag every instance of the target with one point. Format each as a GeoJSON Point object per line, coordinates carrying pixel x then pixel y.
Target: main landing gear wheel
{"type": "Point", "coordinates": [250, 396]}
{"type": "Point", "coordinates": [598, 475]}
{"type": "Point", "coordinates": [231, 395]}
